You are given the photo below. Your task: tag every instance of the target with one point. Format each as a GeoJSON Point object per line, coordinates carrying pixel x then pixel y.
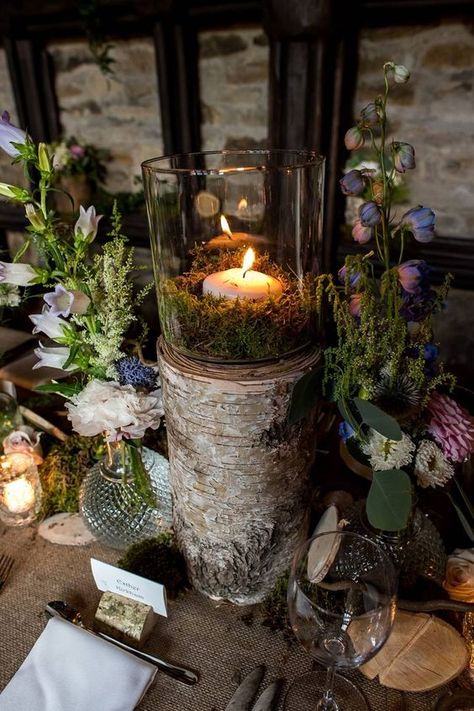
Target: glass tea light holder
{"type": "Point", "coordinates": [236, 242]}
{"type": "Point", "coordinates": [20, 489]}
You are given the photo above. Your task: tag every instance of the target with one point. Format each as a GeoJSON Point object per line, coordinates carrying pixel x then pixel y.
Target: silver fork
{"type": "Point", "coordinates": [6, 564]}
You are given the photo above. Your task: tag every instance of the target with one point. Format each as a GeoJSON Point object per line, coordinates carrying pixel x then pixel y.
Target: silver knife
{"type": "Point", "coordinates": [247, 691]}
{"type": "Point", "coordinates": [186, 676]}
{"type": "Point", "coordinates": [269, 699]}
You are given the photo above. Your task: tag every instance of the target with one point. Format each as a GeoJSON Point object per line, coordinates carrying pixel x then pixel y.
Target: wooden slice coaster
{"type": "Point", "coordinates": [323, 551]}
{"type": "Point", "coordinates": [422, 653]}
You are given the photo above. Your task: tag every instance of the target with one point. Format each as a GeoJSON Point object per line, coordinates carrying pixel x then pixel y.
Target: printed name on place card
{"type": "Point", "coordinates": [108, 577]}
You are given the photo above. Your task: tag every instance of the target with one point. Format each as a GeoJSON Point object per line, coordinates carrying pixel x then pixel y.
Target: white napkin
{"type": "Point", "coordinates": [70, 669]}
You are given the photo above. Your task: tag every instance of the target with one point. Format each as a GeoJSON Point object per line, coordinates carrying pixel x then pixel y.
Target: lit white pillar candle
{"type": "Point", "coordinates": [242, 283]}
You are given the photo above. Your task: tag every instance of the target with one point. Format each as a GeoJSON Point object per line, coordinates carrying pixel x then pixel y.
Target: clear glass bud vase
{"type": "Point", "coordinates": [113, 506]}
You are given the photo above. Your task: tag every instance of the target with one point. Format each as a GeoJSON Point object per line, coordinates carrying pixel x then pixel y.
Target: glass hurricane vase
{"type": "Point", "coordinates": [112, 503]}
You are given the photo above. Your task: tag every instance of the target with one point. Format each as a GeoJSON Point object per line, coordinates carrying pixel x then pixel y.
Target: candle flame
{"type": "Point", "coordinates": [225, 226]}
{"type": "Point", "coordinates": [243, 204]}
{"type": "Point", "coordinates": [249, 259]}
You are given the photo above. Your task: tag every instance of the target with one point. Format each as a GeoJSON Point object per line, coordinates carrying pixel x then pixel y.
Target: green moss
{"type": "Point", "coordinates": [274, 608]}
{"type": "Point", "coordinates": [63, 470]}
{"type": "Point", "coordinates": [236, 329]}
{"type": "Point", "coordinates": [158, 559]}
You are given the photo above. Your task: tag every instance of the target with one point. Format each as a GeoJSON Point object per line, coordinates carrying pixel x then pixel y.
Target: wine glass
{"type": "Point", "coordinates": [341, 600]}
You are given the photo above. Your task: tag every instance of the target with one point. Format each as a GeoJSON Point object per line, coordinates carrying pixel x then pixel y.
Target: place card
{"type": "Point", "coordinates": [108, 577]}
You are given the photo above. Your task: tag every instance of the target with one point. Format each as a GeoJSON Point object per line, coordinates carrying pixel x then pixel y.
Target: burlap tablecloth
{"type": "Point", "coordinates": [199, 633]}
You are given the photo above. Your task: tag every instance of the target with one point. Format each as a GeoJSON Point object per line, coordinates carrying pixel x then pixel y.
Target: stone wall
{"type": "Point", "coordinates": [120, 113]}
{"type": "Point", "coordinates": [233, 67]}
{"type": "Point", "coordinates": [433, 112]}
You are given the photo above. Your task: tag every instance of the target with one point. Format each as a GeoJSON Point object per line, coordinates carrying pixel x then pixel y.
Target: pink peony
{"type": "Point", "coordinates": [451, 426]}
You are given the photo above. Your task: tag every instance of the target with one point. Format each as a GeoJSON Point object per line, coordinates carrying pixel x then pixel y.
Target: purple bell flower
{"type": "Point", "coordinates": [353, 278]}
{"type": "Point", "coordinates": [353, 139]}
{"type": "Point", "coordinates": [420, 221]}
{"type": "Point", "coordinates": [403, 157]}
{"type": "Point", "coordinates": [361, 233]}
{"type": "Point", "coordinates": [416, 307]}
{"type": "Point", "coordinates": [413, 275]}
{"type": "Point", "coordinates": [431, 353]}
{"type": "Point", "coordinates": [369, 214]}
{"type": "Point", "coordinates": [369, 116]}
{"type": "Point", "coordinates": [352, 183]}
{"type": "Point", "coordinates": [10, 134]}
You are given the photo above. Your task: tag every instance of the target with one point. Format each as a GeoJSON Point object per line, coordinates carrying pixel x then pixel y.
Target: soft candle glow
{"type": "Point", "coordinates": [225, 226]}
{"type": "Point", "coordinates": [243, 204]}
{"type": "Point", "coordinates": [18, 496]}
{"type": "Point", "coordinates": [242, 283]}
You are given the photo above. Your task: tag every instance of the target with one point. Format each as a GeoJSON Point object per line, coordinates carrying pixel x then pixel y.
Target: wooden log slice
{"type": "Point", "coordinates": [239, 472]}
{"type": "Point", "coordinates": [422, 653]}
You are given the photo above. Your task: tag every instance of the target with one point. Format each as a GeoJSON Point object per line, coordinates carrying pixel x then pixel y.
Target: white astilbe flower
{"type": "Point", "coordinates": [117, 410]}
{"type": "Point", "coordinates": [431, 468]}
{"type": "Point", "coordinates": [386, 453]}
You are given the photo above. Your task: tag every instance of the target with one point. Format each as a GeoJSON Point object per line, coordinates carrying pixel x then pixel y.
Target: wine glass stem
{"type": "Point", "coordinates": [327, 702]}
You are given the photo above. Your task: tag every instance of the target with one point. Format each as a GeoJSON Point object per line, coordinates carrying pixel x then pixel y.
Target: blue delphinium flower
{"type": "Point", "coordinates": [369, 214]}
{"type": "Point", "coordinates": [353, 277]}
{"type": "Point", "coordinates": [403, 156]}
{"type": "Point", "coordinates": [345, 431]}
{"type": "Point", "coordinates": [420, 221]}
{"type": "Point", "coordinates": [352, 183]}
{"type": "Point", "coordinates": [413, 275]}
{"type": "Point", "coordinates": [131, 371]}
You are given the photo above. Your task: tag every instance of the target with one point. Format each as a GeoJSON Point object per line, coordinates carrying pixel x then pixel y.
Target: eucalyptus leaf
{"type": "Point", "coordinates": [304, 396]}
{"type": "Point", "coordinates": [390, 500]}
{"type": "Point", "coordinates": [378, 420]}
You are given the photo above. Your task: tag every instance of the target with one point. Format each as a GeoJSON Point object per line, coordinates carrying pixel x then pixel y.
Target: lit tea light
{"type": "Point", "coordinates": [242, 283]}
{"type": "Point", "coordinates": [243, 204]}
{"type": "Point", "coordinates": [20, 490]}
{"type": "Point", "coordinates": [232, 240]}
{"type": "Point", "coordinates": [19, 496]}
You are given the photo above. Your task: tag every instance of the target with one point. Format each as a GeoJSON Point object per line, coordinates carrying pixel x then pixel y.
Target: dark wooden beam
{"type": "Point", "coordinates": [176, 47]}
{"type": "Point", "coordinates": [31, 75]}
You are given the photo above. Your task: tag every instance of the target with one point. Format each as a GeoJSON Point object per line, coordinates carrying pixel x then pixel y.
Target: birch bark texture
{"type": "Point", "coordinates": [239, 472]}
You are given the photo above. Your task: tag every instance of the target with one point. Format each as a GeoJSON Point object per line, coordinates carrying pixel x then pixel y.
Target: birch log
{"type": "Point", "coordinates": [239, 473]}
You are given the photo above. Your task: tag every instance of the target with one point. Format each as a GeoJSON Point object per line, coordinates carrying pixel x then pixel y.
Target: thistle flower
{"type": "Point", "coordinates": [369, 116]}
{"type": "Point", "coordinates": [420, 221]}
{"type": "Point", "coordinates": [361, 233]}
{"type": "Point", "coordinates": [413, 275]}
{"type": "Point", "coordinates": [87, 224]}
{"type": "Point", "coordinates": [354, 139]}
{"type": "Point", "coordinates": [397, 395]}
{"type": "Point", "coordinates": [386, 453]}
{"type": "Point", "coordinates": [345, 431]}
{"type": "Point", "coordinates": [431, 468]}
{"type": "Point", "coordinates": [451, 426]}
{"type": "Point", "coordinates": [63, 302]}
{"type": "Point", "coordinates": [403, 156]}
{"type": "Point", "coordinates": [131, 371]}
{"type": "Point", "coordinates": [369, 214]}
{"type": "Point", "coordinates": [16, 273]}
{"type": "Point", "coordinates": [352, 183]}
{"type": "Point", "coordinates": [10, 134]}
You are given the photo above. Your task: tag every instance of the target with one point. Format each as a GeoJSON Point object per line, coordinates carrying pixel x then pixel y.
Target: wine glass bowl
{"type": "Point", "coordinates": [341, 602]}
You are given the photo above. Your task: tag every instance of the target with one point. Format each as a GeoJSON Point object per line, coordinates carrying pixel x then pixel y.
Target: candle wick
{"type": "Point", "coordinates": [245, 272]}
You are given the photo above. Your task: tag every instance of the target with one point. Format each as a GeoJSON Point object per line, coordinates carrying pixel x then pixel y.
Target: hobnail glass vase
{"type": "Point", "coordinates": [417, 550]}
{"type": "Point", "coordinates": [113, 509]}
